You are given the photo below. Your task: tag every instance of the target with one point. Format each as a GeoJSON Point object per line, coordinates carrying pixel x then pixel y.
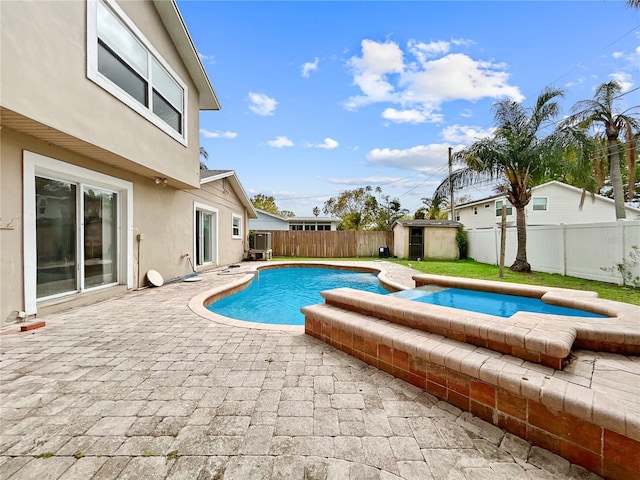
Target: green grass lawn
{"type": "Point", "coordinates": [471, 269]}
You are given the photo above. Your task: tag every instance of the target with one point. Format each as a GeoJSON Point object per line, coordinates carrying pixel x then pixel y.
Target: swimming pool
{"type": "Point", "coordinates": [276, 295]}
{"type": "Point", "coordinates": [498, 304]}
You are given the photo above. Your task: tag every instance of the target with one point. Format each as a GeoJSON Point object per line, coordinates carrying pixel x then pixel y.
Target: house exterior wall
{"type": "Point", "coordinates": [227, 203]}
{"type": "Point", "coordinates": [44, 78]}
{"type": "Point", "coordinates": [267, 222]}
{"type": "Point", "coordinates": [59, 124]}
{"type": "Point", "coordinates": [163, 215]}
{"type": "Point", "coordinates": [563, 206]}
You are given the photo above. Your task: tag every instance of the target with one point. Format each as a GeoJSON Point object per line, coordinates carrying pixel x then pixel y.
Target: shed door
{"type": "Point", "coordinates": [416, 245]}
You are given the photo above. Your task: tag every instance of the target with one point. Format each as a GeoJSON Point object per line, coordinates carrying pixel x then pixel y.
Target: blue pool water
{"type": "Point", "coordinates": [490, 303]}
{"type": "Point", "coordinates": [277, 295]}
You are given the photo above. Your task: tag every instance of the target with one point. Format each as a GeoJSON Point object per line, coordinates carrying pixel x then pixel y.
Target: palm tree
{"type": "Point", "coordinates": [204, 154]}
{"type": "Point", "coordinates": [602, 111]}
{"type": "Point", "coordinates": [518, 155]}
{"type": "Point", "coordinates": [435, 207]}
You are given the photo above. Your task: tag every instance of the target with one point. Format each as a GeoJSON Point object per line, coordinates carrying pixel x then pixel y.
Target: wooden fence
{"type": "Point", "coordinates": [329, 244]}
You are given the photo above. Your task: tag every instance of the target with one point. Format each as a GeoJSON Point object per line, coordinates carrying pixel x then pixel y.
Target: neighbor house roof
{"type": "Point", "coordinates": [269, 214]}
{"type": "Point", "coordinates": [537, 187]}
{"type": "Point", "coordinates": [427, 223]}
{"type": "Point", "coordinates": [207, 176]}
{"type": "Point", "coordinates": [315, 219]}
{"type": "Point", "coordinates": [174, 23]}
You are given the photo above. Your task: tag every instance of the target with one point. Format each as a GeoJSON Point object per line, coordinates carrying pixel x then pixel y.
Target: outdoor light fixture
{"type": "Point", "coordinates": [161, 181]}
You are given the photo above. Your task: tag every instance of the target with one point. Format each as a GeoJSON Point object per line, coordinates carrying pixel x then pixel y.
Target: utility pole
{"type": "Point", "coordinates": [453, 210]}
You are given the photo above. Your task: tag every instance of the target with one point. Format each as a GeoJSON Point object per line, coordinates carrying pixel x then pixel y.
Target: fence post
{"type": "Point", "coordinates": [563, 249]}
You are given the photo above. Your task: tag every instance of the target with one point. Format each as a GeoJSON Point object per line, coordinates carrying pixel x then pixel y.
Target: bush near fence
{"type": "Point", "coordinates": [587, 250]}
{"type": "Point", "coordinates": [329, 244]}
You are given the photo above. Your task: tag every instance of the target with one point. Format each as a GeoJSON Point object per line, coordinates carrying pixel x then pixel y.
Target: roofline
{"type": "Point", "coordinates": [557, 182]}
{"type": "Point", "coordinates": [264, 212]}
{"type": "Point", "coordinates": [174, 23]}
{"type": "Point", "coordinates": [237, 186]}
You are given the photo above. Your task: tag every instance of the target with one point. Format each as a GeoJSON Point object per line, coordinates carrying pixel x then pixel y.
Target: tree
{"type": "Point", "coordinates": [316, 211]}
{"type": "Point", "coordinates": [204, 154]}
{"type": "Point", "coordinates": [518, 155]}
{"type": "Point", "coordinates": [435, 207]}
{"type": "Point", "coordinates": [389, 210]}
{"type": "Point", "coordinates": [268, 204]}
{"type": "Point", "coordinates": [603, 112]}
{"type": "Point", "coordinates": [354, 207]}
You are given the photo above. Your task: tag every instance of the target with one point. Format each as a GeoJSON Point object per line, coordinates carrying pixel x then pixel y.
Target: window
{"type": "Point", "coordinates": [475, 210]}
{"type": "Point", "coordinates": [77, 231]}
{"type": "Point", "coordinates": [236, 226]}
{"type": "Point", "coordinates": [124, 63]}
{"type": "Point", "coordinates": [206, 238]}
{"type": "Point", "coordinates": [457, 215]}
{"type": "Point", "coordinates": [309, 226]}
{"type": "Point", "coordinates": [499, 207]}
{"type": "Point", "coordinates": [324, 226]}
{"type": "Point", "coordinates": [539, 203]}
{"type": "Point", "coordinates": [295, 226]}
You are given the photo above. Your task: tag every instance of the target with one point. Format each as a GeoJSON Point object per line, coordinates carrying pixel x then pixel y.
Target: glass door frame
{"type": "Point", "coordinates": [36, 165]}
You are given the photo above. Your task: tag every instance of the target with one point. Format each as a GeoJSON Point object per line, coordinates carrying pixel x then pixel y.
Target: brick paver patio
{"type": "Point", "coordinates": [141, 387]}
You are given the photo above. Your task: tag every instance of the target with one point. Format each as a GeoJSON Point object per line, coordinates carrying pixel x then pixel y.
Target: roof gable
{"type": "Point", "coordinates": [174, 23]}
{"type": "Point", "coordinates": [208, 176]}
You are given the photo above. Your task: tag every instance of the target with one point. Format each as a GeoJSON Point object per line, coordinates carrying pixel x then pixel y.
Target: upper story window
{"type": "Point", "coordinates": [236, 226]}
{"type": "Point", "coordinates": [539, 203]}
{"type": "Point", "coordinates": [124, 63]}
{"type": "Point", "coordinates": [499, 204]}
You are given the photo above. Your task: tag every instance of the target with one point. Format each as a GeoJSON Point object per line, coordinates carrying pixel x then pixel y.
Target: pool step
{"type": "Point", "coordinates": [538, 338]}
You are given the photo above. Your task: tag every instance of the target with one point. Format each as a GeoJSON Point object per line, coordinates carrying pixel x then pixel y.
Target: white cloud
{"type": "Point", "coordinates": [422, 78]}
{"type": "Point", "coordinates": [466, 135]}
{"type": "Point", "coordinates": [411, 116]}
{"type": "Point", "coordinates": [370, 70]}
{"type": "Point", "coordinates": [466, 113]}
{"type": "Point", "coordinates": [217, 134]}
{"type": "Point", "coordinates": [280, 142]}
{"type": "Point", "coordinates": [617, 54]}
{"type": "Point", "coordinates": [206, 58]}
{"type": "Point", "coordinates": [328, 144]}
{"type": "Point", "coordinates": [421, 157]}
{"type": "Point", "coordinates": [624, 79]}
{"type": "Point", "coordinates": [363, 180]}
{"type": "Point", "coordinates": [423, 51]}
{"type": "Point", "coordinates": [262, 104]}
{"type": "Point", "coordinates": [309, 67]}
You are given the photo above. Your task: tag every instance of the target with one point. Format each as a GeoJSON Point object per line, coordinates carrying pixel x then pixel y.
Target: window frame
{"type": "Point", "coordinates": [508, 205]}
{"type": "Point", "coordinates": [36, 165]}
{"type": "Point", "coordinates": [234, 217]}
{"type": "Point", "coordinates": [114, 89]}
{"type": "Point", "coordinates": [546, 204]}
{"type": "Point", "coordinates": [199, 208]}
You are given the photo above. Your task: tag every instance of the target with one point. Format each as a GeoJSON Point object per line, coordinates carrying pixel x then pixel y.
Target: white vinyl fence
{"type": "Point", "coordinates": [581, 250]}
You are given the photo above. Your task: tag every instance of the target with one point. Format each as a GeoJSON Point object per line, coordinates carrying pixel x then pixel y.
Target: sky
{"type": "Point", "coordinates": [319, 97]}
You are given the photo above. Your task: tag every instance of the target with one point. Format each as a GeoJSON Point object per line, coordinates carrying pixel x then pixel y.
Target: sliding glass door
{"type": "Point", "coordinates": [56, 237]}
{"type": "Point", "coordinates": [76, 237]}
{"type": "Point", "coordinates": [100, 237]}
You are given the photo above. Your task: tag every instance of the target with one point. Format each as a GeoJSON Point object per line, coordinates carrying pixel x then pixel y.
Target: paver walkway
{"type": "Point", "coordinates": [140, 387]}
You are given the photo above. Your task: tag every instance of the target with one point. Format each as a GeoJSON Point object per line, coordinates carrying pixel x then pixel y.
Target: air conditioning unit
{"type": "Point", "coordinates": [260, 241]}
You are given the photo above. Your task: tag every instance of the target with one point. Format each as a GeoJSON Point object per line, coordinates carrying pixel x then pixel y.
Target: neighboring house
{"type": "Point", "coordinates": [270, 221]}
{"type": "Point", "coordinates": [425, 239]}
{"type": "Point", "coordinates": [100, 165]}
{"type": "Point", "coordinates": [551, 203]}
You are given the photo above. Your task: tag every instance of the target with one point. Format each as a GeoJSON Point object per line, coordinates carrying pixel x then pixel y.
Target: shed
{"type": "Point", "coordinates": [425, 239]}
